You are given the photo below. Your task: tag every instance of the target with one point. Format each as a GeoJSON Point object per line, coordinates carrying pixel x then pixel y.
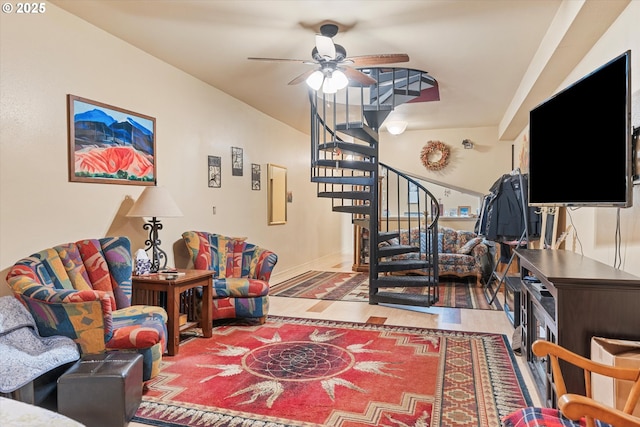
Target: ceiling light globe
{"type": "Point", "coordinates": [340, 80]}
{"type": "Point", "coordinates": [314, 81]}
{"type": "Point", "coordinates": [329, 85]}
{"type": "Point", "coordinates": [396, 128]}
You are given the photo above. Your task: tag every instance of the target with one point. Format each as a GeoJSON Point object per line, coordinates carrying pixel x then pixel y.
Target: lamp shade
{"type": "Point", "coordinates": [155, 202]}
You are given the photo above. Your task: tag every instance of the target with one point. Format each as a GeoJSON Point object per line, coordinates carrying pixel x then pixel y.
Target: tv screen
{"type": "Point", "coordinates": [580, 141]}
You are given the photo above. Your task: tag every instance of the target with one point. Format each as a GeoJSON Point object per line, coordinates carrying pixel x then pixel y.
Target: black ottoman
{"type": "Point", "coordinates": [102, 389]}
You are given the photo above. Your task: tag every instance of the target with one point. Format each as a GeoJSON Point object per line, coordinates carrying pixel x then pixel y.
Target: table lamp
{"type": "Point", "coordinates": [155, 202]}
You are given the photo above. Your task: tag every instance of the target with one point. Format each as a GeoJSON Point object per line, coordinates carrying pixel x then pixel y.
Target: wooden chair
{"type": "Point", "coordinates": [577, 407]}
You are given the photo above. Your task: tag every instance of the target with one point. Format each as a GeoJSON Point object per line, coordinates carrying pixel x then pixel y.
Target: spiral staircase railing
{"type": "Point", "coordinates": [346, 168]}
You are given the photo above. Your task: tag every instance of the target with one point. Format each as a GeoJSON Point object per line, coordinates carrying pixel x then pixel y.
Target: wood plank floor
{"type": "Point", "coordinates": [350, 311]}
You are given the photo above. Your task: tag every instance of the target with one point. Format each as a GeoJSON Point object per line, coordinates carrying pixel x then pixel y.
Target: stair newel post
{"type": "Point", "coordinates": [384, 179]}
{"type": "Point", "coordinates": [393, 93]}
{"type": "Point", "coordinates": [374, 226]}
{"type": "Point", "coordinates": [398, 207]}
{"type": "Point", "coordinates": [418, 212]}
{"type": "Point", "coordinates": [315, 130]}
{"type": "Point", "coordinates": [432, 230]}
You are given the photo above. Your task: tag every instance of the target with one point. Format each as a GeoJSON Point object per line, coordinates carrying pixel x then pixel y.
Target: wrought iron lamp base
{"type": "Point", "coordinates": [158, 256]}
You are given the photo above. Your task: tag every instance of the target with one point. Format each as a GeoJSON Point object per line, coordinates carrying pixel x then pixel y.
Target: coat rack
{"type": "Point", "coordinates": [523, 240]}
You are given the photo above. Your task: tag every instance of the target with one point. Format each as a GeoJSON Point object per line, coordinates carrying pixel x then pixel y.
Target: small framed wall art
{"type": "Point", "coordinates": [215, 172]}
{"type": "Point", "coordinates": [255, 176]}
{"type": "Point", "coordinates": [110, 145]}
{"type": "Point", "coordinates": [236, 161]}
{"type": "Point", "coordinates": [464, 211]}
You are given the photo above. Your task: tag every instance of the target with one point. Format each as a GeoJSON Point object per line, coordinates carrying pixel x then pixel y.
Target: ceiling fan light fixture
{"type": "Point", "coordinates": [334, 81]}
{"type": "Point", "coordinates": [397, 127]}
{"type": "Point", "coordinates": [315, 80]}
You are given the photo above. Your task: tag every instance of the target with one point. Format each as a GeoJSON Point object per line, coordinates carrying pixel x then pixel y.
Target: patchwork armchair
{"type": "Point", "coordinates": [82, 290]}
{"type": "Point", "coordinates": [576, 410]}
{"type": "Point", "coordinates": [241, 273]}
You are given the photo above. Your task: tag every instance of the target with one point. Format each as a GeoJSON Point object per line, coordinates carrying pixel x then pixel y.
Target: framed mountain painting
{"type": "Point", "coordinates": [110, 145]}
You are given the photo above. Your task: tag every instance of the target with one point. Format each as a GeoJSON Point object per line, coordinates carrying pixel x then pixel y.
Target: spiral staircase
{"type": "Point", "coordinates": [346, 168]}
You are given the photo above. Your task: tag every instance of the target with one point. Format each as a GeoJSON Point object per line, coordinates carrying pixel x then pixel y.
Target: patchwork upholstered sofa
{"type": "Point", "coordinates": [241, 273]}
{"type": "Point", "coordinates": [82, 290]}
{"type": "Point", "coordinates": [461, 253]}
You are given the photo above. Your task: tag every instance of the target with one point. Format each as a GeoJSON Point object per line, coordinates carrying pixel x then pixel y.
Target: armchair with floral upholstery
{"type": "Point", "coordinates": [241, 273]}
{"type": "Point", "coordinates": [82, 290]}
{"type": "Point", "coordinates": [461, 253]}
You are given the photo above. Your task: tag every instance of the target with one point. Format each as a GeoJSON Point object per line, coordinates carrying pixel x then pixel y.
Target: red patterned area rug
{"type": "Point", "coordinates": [301, 372]}
{"type": "Point", "coordinates": [343, 286]}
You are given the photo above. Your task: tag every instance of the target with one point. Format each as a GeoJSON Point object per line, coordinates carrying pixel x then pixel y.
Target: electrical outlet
{"type": "Point", "coordinates": [214, 210]}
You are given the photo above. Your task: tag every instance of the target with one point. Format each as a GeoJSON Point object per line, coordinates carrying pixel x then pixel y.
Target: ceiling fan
{"type": "Point", "coordinates": [333, 72]}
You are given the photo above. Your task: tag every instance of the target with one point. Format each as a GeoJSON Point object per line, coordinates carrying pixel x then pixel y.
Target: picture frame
{"type": "Point", "coordinates": [215, 171]}
{"type": "Point", "coordinates": [236, 161]}
{"type": "Point", "coordinates": [255, 176]}
{"type": "Point", "coordinates": [110, 145]}
{"type": "Point", "coordinates": [464, 211]}
{"type": "Point", "coordinates": [277, 194]}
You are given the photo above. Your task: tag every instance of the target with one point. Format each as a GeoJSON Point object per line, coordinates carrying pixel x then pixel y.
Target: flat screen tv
{"type": "Point", "coordinates": [580, 142]}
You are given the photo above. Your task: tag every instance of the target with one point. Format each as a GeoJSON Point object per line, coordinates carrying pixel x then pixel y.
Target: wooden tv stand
{"type": "Point", "coordinates": [585, 298]}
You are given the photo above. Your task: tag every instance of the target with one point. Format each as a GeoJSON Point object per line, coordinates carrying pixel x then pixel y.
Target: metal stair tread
{"type": "Point", "coordinates": [346, 164]}
{"type": "Point", "coordinates": [403, 299]}
{"type": "Point", "coordinates": [404, 281]}
{"type": "Point", "coordinates": [402, 265]}
{"type": "Point", "coordinates": [391, 250]}
{"type": "Point", "coordinates": [358, 209]}
{"type": "Point", "coordinates": [354, 195]}
{"type": "Point", "coordinates": [399, 96]}
{"type": "Point", "coordinates": [348, 147]}
{"type": "Point", "coordinates": [347, 180]}
{"type": "Point", "coordinates": [383, 236]}
{"type": "Point", "coordinates": [358, 130]}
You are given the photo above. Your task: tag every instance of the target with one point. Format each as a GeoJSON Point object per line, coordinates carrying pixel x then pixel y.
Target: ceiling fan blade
{"type": "Point", "coordinates": [383, 58]}
{"type": "Point", "coordinates": [302, 77]}
{"type": "Point", "coordinates": [358, 76]}
{"type": "Point", "coordinates": [303, 61]}
{"type": "Point", "coordinates": [326, 48]}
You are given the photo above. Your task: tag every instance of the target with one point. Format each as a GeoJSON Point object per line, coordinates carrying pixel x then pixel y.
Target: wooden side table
{"type": "Point", "coordinates": [151, 289]}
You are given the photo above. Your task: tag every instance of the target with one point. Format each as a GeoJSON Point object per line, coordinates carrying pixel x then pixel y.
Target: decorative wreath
{"type": "Point", "coordinates": [435, 155]}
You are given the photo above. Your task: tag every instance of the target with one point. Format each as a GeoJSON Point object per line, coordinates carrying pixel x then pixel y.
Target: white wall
{"type": "Point", "coordinates": [474, 170]}
{"type": "Point", "coordinates": [595, 228]}
{"type": "Point", "coordinates": [45, 57]}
